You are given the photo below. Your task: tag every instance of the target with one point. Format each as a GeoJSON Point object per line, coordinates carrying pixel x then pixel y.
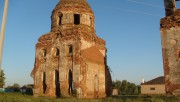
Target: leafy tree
{"type": "Point", "coordinates": [2, 79]}
{"type": "Point", "coordinates": [16, 87]}
{"type": "Point", "coordinates": [125, 87]}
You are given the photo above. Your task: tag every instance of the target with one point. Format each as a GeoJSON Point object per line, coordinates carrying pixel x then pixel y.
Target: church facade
{"type": "Point", "coordinates": [71, 58]}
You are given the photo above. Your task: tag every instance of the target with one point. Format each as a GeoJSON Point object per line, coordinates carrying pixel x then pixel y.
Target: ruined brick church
{"type": "Point", "coordinates": [71, 58]}
{"type": "Point", "coordinates": [170, 34]}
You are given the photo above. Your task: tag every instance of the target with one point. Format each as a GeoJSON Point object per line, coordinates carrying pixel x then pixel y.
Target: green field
{"type": "Point", "coordinates": [17, 97]}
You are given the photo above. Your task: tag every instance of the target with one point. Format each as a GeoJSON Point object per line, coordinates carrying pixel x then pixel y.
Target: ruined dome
{"type": "Point", "coordinates": [76, 6]}
{"type": "Point", "coordinates": [72, 12]}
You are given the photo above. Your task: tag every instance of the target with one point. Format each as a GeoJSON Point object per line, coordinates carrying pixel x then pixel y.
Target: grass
{"type": "Point", "coordinates": [18, 97]}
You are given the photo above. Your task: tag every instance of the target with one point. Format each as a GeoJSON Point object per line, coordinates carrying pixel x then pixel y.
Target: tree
{"type": "Point", "coordinates": [2, 79]}
{"type": "Point", "coordinates": [125, 87]}
{"type": "Point", "coordinates": [16, 87]}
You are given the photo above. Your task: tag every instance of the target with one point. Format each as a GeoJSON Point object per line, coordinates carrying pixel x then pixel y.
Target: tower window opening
{"type": "Point", "coordinates": [90, 21]}
{"type": "Point", "coordinates": [43, 51]}
{"type": "Point", "coordinates": [76, 19]}
{"type": "Point", "coordinates": [60, 19]}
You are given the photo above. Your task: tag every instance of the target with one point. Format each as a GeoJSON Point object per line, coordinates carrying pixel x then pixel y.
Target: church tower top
{"type": "Point", "coordinates": [76, 6]}
{"type": "Point", "coordinates": [72, 13]}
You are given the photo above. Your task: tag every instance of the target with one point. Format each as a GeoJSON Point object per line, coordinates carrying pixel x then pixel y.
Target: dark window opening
{"type": "Point", "coordinates": [44, 82]}
{"type": "Point", "coordinates": [152, 89]}
{"type": "Point", "coordinates": [76, 19]}
{"type": "Point", "coordinates": [70, 49]}
{"type": "Point", "coordinates": [57, 83]}
{"type": "Point", "coordinates": [90, 21]}
{"type": "Point", "coordinates": [70, 81]}
{"type": "Point", "coordinates": [57, 52]}
{"type": "Point", "coordinates": [60, 19]}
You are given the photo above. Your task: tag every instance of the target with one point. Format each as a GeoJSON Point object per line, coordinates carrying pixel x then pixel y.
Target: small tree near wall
{"type": "Point", "coordinates": [2, 79]}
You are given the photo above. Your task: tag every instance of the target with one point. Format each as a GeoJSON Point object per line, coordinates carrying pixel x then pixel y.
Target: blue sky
{"type": "Point", "coordinates": [130, 28]}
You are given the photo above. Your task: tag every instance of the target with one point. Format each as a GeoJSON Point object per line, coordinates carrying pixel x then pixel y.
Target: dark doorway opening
{"type": "Point", "coordinates": [57, 83]}
{"type": "Point", "coordinates": [44, 82]}
{"type": "Point", "coordinates": [70, 81]}
{"type": "Point", "coordinates": [76, 19]}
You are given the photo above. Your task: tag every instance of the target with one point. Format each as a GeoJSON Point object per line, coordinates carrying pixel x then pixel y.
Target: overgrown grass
{"type": "Point", "coordinates": [18, 97]}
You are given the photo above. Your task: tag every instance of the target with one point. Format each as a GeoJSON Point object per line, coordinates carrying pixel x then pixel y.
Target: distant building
{"type": "Point", "coordinates": [27, 89]}
{"type": "Point", "coordinates": [154, 86]}
{"type": "Point", "coordinates": [1, 89]}
{"type": "Point", "coordinates": [115, 92]}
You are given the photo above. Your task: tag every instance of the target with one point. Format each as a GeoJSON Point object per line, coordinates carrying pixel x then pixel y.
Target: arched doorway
{"type": "Point", "coordinates": [70, 82]}
{"type": "Point", "coordinates": [57, 83]}
{"type": "Point", "coordinates": [96, 86]}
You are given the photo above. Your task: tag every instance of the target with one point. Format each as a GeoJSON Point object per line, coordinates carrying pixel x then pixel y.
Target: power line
{"type": "Point", "coordinates": [134, 11]}
{"type": "Point", "coordinates": [143, 3]}
{"type": "Point", "coordinates": [149, 4]}
{"type": "Point", "coordinates": [129, 10]}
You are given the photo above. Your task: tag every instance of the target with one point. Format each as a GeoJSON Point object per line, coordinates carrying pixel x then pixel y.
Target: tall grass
{"type": "Point", "coordinates": [18, 97]}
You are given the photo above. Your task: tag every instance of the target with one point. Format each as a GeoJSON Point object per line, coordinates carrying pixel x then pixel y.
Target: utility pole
{"type": "Point", "coordinates": [2, 32]}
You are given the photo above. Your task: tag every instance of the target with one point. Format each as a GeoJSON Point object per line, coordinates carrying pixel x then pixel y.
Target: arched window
{"type": "Point", "coordinates": [60, 19]}
{"type": "Point", "coordinates": [70, 49]}
{"type": "Point", "coordinates": [55, 52]}
{"type": "Point", "coordinates": [43, 52]}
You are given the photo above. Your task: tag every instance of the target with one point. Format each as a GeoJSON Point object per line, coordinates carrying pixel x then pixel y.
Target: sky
{"type": "Point", "coordinates": [131, 29]}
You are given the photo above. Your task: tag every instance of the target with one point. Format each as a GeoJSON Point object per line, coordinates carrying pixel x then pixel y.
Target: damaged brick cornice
{"type": "Point", "coordinates": [87, 34]}
{"type": "Point", "coordinates": [170, 21]}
